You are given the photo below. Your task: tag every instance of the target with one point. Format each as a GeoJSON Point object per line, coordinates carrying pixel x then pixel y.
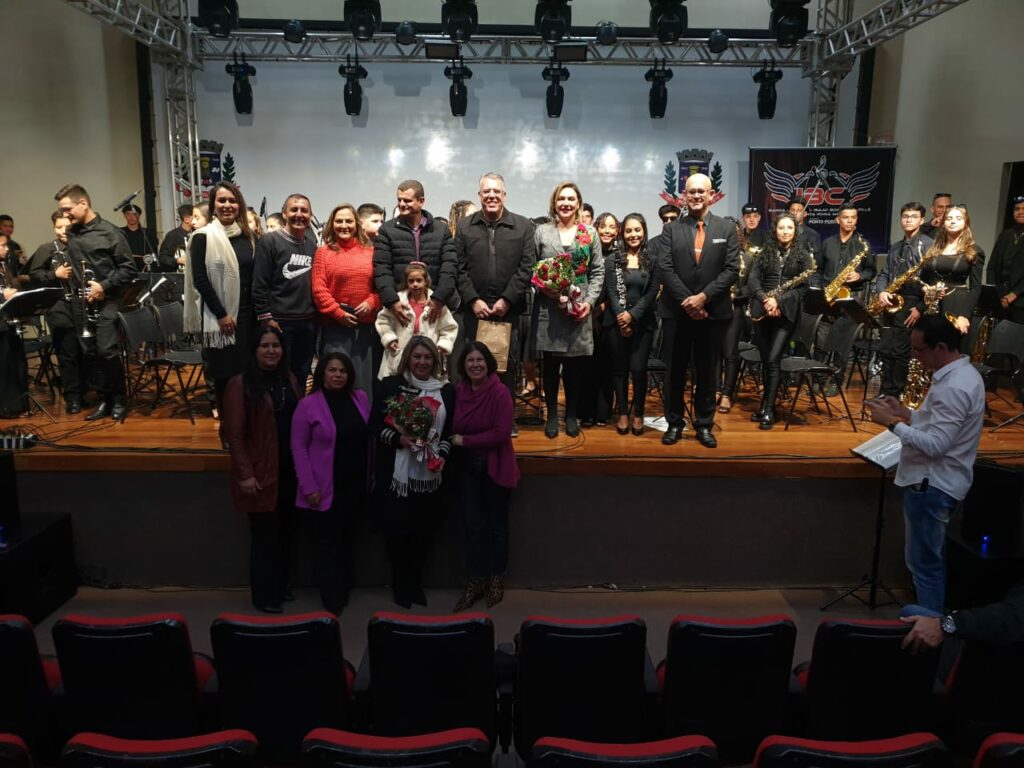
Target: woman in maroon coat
{"type": "Point", "coordinates": [258, 408]}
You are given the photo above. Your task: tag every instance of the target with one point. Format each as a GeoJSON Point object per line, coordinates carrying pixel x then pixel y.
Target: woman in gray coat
{"type": "Point", "coordinates": [563, 330]}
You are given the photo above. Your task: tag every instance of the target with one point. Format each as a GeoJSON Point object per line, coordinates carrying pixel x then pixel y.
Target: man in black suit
{"type": "Point", "coordinates": [698, 260]}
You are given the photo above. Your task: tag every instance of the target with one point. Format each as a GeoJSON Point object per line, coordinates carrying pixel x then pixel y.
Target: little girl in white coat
{"type": "Point", "coordinates": [394, 336]}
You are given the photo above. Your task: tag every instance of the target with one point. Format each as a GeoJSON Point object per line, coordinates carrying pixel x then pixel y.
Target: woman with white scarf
{"type": "Point", "coordinates": [218, 286]}
{"type": "Point", "coordinates": [408, 497]}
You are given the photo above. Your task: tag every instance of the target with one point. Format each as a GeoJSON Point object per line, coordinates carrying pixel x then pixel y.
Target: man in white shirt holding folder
{"type": "Point", "coordinates": [939, 443]}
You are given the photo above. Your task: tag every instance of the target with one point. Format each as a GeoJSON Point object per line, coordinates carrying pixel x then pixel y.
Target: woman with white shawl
{"type": "Point", "coordinates": [408, 497]}
{"type": "Point", "coordinates": [218, 286]}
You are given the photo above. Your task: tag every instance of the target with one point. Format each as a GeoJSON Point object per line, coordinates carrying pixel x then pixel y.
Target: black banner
{"type": "Point", "coordinates": [826, 178]}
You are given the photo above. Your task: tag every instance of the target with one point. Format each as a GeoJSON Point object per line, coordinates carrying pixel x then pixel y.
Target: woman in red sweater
{"type": "Point", "coordinates": [344, 295]}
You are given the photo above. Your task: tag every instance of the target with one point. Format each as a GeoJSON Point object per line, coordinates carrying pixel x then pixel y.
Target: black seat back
{"type": "Point", "coordinates": [224, 749]}
{"type": "Point", "coordinates": [680, 752]}
{"type": "Point", "coordinates": [458, 748]}
{"type": "Point", "coordinates": [913, 750]}
{"type": "Point", "coordinates": [985, 692]}
{"type": "Point", "coordinates": [24, 694]}
{"type": "Point", "coordinates": [431, 673]}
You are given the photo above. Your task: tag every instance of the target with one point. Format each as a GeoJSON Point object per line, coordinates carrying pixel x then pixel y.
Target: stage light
{"type": "Point", "coordinates": [459, 19]}
{"type": "Point", "coordinates": [241, 89]}
{"type": "Point", "coordinates": [220, 17]}
{"type": "Point", "coordinates": [555, 74]}
{"type": "Point", "coordinates": [718, 42]}
{"type": "Point", "coordinates": [362, 17]}
{"type": "Point", "coordinates": [353, 92]}
{"type": "Point", "coordinates": [658, 76]}
{"type": "Point", "coordinates": [553, 19]}
{"type": "Point", "coordinates": [294, 31]}
{"type": "Point", "coordinates": [789, 21]}
{"type": "Point", "coordinates": [766, 78]}
{"type": "Point", "coordinates": [405, 33]}
{"type": "Point", "coordinates": [668, 20]}
{"type": "Point", "coordinates": [607, 33]}
{"type": "Point", "coordinates": [458, 95]}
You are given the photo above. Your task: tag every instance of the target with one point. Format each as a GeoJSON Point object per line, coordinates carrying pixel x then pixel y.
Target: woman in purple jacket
{"type": "Point", "coordinates": [484, 415]}
{"type": "Point", "coordinates": [330, 444]}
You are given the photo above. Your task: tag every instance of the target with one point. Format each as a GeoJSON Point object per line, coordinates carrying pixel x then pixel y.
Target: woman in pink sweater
{"type": "Point", "coordinates": [482, 428]}
{"type": "Point", "coordinates": [346, 302]}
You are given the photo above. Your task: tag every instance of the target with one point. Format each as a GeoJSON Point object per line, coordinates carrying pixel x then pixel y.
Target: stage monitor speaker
{"type": "Point", "coordinates": [992, 509]}
{"type": "Point", "coordinates": [10, 510]}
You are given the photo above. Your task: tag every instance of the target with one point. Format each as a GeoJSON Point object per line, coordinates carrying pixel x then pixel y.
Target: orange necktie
{"type": "Point", "coordinates": [698, 241]}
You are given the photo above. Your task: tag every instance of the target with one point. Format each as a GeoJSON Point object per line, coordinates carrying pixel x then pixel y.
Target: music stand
{"type": "Point", "coordinates": [882, 452]}
{"type": "Point", "coordinates": [30, 304]}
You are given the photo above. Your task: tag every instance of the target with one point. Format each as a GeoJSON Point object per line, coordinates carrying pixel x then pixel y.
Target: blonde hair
{"type": "Point", "coordinates": [554, 197]}
{"type": "Point", "coordinates": [965, 240]}
{"type": "Point", "coordinates": [331, 239]}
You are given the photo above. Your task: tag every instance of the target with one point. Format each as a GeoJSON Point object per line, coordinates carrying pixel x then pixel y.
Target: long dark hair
{"type": "Point", "coordinates": [621, 256]}
{"type": "Point", "coordinates": [242, 220]}
{"type": "Point", "coordinates": [798, 248]}
{"type": "Point", "coordinates": [254, 379]}
{"type": "Point", "coordinates": [321, 368]}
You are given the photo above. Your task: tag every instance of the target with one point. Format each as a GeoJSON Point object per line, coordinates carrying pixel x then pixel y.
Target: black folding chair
{"type": "Point", "coordinates": [815, 372]}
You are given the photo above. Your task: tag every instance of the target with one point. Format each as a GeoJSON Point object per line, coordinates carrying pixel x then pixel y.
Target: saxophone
{"type": "Point", "coordinates": [837, 288]}
{"type": "Point", "coordinates": [875, 307]}
{"type": "Point", "coordinates": [757, 311]}
{"type": "Point", "coordinates": [919, 381]}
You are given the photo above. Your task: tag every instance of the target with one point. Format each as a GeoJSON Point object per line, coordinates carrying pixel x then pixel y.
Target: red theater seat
{"type": "Point", "coordinates": [680, 752]}
{"type": "Point", "coordinates": [1001, 750]}
{"type": "Point", "coordinates": [280, 677]}
{"type": "Point", "coordinates": [133, 677]}
{"type": "Point", "coordinates": [423, 674]}
{"type": "Point", "coordinates": [728, 679]}
{"type": "Point", "coordinates": [860, 684]}
{"type": "Point", "coordinates": [588, 679]}
{"type": "Point", "coordinates": [27, 685]}
{"type": "Point", "coordinates": [458, 748]}
{"type": "Point", "coordinates": [14, 752]}
{"type": "Point", "coordinates": [915, 750]}
{"type": "Point", "coordinates": [225, 749]}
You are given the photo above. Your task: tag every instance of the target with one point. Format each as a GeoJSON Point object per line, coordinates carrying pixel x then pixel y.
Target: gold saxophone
{"type": "Point", "coordinates": [747, 256]}
{"type": "Point", "coordinates": [875, 307]}
{"type": "Point", "coordinates": [757, 311]}
{"type": "Point", "coordinates": [837, 289]}
{"type": "Point", "coordinates": [919, 381]}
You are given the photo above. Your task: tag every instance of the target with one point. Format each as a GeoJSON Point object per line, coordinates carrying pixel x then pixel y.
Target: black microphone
{"type": "Point", "coordinates": [124, 203]}
{"type": "Point", "coordinates": [263, 209]}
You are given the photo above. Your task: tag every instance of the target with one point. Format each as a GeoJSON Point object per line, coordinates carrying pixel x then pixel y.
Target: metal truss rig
{"type": "Point", "coordinates": [146, 22]}
{"type": "Point", "coordinates": [333, 47]}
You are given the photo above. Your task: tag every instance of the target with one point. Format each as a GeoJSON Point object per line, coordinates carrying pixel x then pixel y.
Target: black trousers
{"type": "Point", "coordinates": [334, 529]}
{"type": "Point", "coordinates": [629, 358]}
{"type": "Point", "coordinates": [700, 341]}
{"type": "Point", "coordinates": [773, 335]}
{"type": "Point", "coordinates": [270, 552]}
{"type": "Point", "coordinates": [570, 371]}
{"type": "Point", "coordinates": [739, 328]}
{"type": "Point", "coordinates": [13, 373]}
{"type": "Point", "coordinates": [69, 360]}
{"type": "Point", "coordinates": [408, 554]}
{"type": "Point", "coordinates": [596, 387]}
{"type": "Point", "coordinates": [485, 517]}
{"type": "Point", "coordinates": [895, 351]}
{"type": "Point", "coordinates": [102, 352]}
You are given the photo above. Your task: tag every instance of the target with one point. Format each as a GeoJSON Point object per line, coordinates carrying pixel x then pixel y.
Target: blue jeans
{"type": "Point", "coordinates": [926, 514]}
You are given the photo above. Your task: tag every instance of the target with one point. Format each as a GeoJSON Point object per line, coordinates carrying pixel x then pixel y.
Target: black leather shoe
{"type": "Point", "coordinates": [551, 430]}
{"type": "Point", "coordinates": [572, 427]}
{"type": "Point", "coordinates": [73, 406]}
{"type": "Point", "coordinates": [119, 411]}
{"type": "Point", "coordinates": [705, 438]}
{"type": "Point", "coordinates": [101, 412]}
{"type": "Point", "coordinates": [757, 415]}
{"type": "Point", "coordinates": [671, 436]}
{"type": "Point", "coordinates": [767, 420]}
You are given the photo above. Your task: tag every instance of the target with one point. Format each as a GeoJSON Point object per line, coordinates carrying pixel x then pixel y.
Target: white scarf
{"type": "Point", "coordinates": [411, 471]}
{"type": "Point", "coordinates": [222, 271]}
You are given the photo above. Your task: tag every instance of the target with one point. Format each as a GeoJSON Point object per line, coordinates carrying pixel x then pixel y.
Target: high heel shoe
{"type": "Point", "coordinates": [767, 419]}
{"type": "Point", "coordinates": [635, 429]}
{"type": "Point", "coordinates": [724, 404]}
{"type": "Point", "coordinates": [572, 427]}
{"type": "Point", "coordinates": [622, 430]}
{"type": "Point", "coordinates": [551, 429]}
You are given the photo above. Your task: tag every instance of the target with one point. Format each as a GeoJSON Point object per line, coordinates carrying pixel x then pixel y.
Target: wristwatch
{"type": "Point", "coordinates": [949, 624]}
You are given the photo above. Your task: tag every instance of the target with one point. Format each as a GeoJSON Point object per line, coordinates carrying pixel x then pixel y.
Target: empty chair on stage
{"type": "Point", "coordinates": [913, 750]}
{"type": "Point", "coordinates": [458, 748]}
{"type": "Point", "coordinates": [680, 752]}
{"type": "Point", "coordinates": [728, 679]}
{"type": "Point", "coordinates": [27, 684]}
{"type": "Point", "coordinates": [224, 749]}
{"type": "Point", "coordinates": [429, 673]}
{"type": "Point", "coordinates": [281, 677]}
{"type": "Point", "coordinates": [860, 684]}
{"type": "Point", "coordinates": [589, 679]}
{"type": "Point", "coordinates": [134, 678]}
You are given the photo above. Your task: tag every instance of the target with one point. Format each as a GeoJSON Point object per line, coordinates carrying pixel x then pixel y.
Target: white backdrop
{"type": "Point", "coordinates": [299, 139]}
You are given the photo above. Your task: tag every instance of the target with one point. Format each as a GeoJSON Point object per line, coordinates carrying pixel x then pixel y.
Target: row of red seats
{"type": "Point", "coordinates": [469, 748]}
{"type": "Point", "coordinates": [279, 677]}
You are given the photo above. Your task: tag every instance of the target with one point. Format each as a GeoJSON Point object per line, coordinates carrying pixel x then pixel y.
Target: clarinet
{"type": "Point", "coordinates": [64, 262]}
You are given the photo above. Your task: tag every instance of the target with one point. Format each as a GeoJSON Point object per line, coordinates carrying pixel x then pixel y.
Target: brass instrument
{"type": "Point", "coordinates": [757, 311]}
{"type": "Point", "coordinates": [837, 289]}
{"type": "Point", "coordinates": [933, 294]}
{"type": "Point", "coordinates": [69, 294]}
{"type": "Point", "coordinates": [919, 381]}
{"type": "Point", "coordinates": [875, 307]}
{"type": "Point", "coordinates": [980, 349]}
{"type": "Point", "coordinates": [750, 252]}
{"type": "Point", "coordinates": [91, 311]}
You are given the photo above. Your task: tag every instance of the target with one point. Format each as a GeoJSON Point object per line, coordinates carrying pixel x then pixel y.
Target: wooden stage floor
{"type": "Point", "coordinates": [814, 446]}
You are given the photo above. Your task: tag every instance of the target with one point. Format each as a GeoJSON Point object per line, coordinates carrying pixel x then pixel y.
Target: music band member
{"type": "Point", "coordinates": [698, 260]}
{"type": "Point", "coordinates": [97, 245]}
{"type": "Point", "coordinates": [1006, 266]}
{"type": "Point", "coordinates": [171, 256]}
{"type": "Point", "coordinates": [797, 208]}
{"type": "Point", "coordinates": [50, 267]}
{"type": "Point", "coordinates": [956, 262]}
{"type": "Point", "coordinates": [140, 241]}
{"type": "Point", "coordinates": [752, 232]}
{"type": "Point", "coordinates": [904, 255]}
{"type": "Point", "coordinates": [941, 202]}
{"type": "Point", "coordinates": [13, 367]}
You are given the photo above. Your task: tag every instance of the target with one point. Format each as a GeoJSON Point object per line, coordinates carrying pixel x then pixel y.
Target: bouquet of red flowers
{"type": "Point", "coordinates": [412, 416]}
{"type": "Point", "coordinates": [558, 278]}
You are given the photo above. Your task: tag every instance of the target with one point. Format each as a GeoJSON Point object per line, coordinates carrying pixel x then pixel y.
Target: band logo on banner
{"type": "Point", "coordinates": [826, 179]}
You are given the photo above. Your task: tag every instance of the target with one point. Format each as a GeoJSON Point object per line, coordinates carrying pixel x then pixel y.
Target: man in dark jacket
{"type": "Point", "coordinates": [414, 236]}
{"type": "Point", "coordinates": [698, 260]}
{"type": "Point", "coordinates": [999, 623]}
{"type": "Point", "coordinates": [1006, 265]}
{"type": "Point", "coordinates": [496, 253]}
{"type": "Point", "coordinates": [171, 255]}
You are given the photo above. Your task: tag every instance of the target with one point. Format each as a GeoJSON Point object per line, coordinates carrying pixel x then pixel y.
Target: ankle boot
{"type": "Point", "coordinates": [475, 589]}
{"type": "Point", "coordinates": [495, 591]}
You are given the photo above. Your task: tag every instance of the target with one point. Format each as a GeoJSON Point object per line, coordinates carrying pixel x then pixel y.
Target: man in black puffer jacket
{"type": "Point", "coordinates": [414, 236]}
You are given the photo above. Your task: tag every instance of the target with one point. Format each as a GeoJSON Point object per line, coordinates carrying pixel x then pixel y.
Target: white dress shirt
{"type": "Point", "coordinates": [941, 441]}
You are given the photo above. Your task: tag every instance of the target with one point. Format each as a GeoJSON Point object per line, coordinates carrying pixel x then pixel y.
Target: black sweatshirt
{"type": "Point", "coordinates": [281, 285]}
{"type": "Point", "coordinates": [105, 251]}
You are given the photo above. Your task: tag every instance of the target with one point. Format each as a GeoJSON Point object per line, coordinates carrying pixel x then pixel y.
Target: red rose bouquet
{"type": "Point", "coordinates": [560, 277]}
{"type": "Point", "coordinates": [414, 417]}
